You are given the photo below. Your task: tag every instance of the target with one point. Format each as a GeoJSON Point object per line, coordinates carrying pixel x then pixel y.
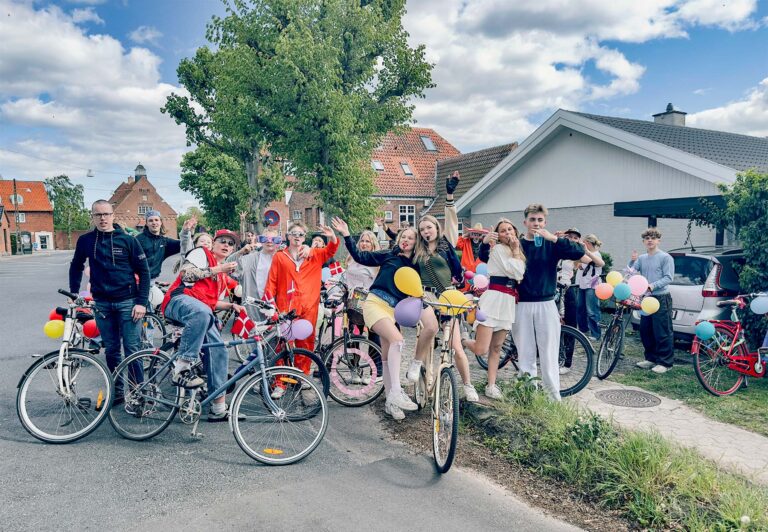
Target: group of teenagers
{"type": "Point", "coordinates": [523, 270]}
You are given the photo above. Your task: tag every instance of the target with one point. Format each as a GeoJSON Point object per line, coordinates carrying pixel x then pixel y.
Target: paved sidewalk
{"type": "Point", "coordinates": [732, 447]}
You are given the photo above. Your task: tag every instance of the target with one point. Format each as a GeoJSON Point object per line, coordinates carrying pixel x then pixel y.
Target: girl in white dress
{"type": "Point", "coordinates": [506, 267]}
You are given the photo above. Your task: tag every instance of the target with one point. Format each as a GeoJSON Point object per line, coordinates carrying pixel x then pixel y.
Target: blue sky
{"type": "Point", "coordinates": [82, 81]}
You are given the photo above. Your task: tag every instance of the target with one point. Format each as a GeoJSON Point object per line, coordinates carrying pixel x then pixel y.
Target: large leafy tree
{"type": "Point", "coordinates": [192, 212]}
{"type": "Point", "coordinates": [317, 82]}
{"type": "Point", "coordinates": [69, 212]}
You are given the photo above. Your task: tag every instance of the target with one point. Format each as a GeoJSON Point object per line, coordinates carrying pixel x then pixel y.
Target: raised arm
{"type": "Point", "coordinates": [451, 226]}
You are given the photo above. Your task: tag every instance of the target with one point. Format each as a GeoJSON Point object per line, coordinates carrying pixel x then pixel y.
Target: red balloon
{"type": "Point", "coordinates": [90, 329]}
{"type": "Point", "coordinates": [55, 316]}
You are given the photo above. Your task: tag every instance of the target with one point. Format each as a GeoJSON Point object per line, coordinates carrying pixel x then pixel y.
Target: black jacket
{"type": "Point", "coordinates": [388, 261]}
{"type": "Point", "coordinates": [115, 259]}
{"type": "Point", "coordinates": [157, 248]}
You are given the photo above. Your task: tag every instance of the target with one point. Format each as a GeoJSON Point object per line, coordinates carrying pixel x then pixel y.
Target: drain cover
{"type": "Point", "coordinates": [629, 398]}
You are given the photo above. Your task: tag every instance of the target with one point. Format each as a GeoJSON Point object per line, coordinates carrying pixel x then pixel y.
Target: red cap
{"type": "Point", "coordinates": [227, 232]}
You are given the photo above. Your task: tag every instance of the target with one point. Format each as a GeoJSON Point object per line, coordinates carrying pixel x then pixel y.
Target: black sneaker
{"type": "Point", "coordinates": [223, 416]}
{"type": "Point", "coordinates": [187, 379]}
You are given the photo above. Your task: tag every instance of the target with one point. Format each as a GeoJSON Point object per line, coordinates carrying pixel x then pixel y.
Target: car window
{"type": "Point", "coordinates": [691, 271]}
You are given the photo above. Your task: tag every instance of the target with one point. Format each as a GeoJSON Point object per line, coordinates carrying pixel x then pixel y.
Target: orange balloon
{"type": "Point", "coordinates": [604, 291]}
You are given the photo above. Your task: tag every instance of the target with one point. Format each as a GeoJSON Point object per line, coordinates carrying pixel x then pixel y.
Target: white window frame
{"type": "Point", "coordinates": [388, 216]}
{"type": "Point", "coordinates": [21, 217]}
{"type": "Point", "coordinates": [144, 209]}
{"type": "Point", "coordinates": [377, 165]}
{"type": "Point", "coordinates": [297, 214]}
{"type": "Point", "coordinates": [407, 214]}
{"type": "Point", "coordinates": [407, 170]}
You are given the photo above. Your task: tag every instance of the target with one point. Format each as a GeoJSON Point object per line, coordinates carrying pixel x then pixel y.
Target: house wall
{"type": "Point", "coordinates": [39, 223]}
{"type": "Point", "coordinates": [5, 236]}
{"type": "Point", "coordinates": [127, 211]}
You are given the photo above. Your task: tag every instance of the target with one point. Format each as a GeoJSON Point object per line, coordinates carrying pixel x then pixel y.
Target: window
{"type": "Point", "coordinates": [406, 169]}
{"type": "Point", "coordinates": [428, 144]}
{"type": "Point", "coordinates": [388, 216]}
{"type": "Point", "coordinates": [308, 215]}
{"type": "Point", "coordinates": [21, 218]}
{"type": "Point", "coordinates": [144, 209]}
{"type": "Point", "coordinates": [407, 215]}
{"type": "Point", "coordinates": [143, 197]}
{"type": "Point", "coordinates": [461, 228]}
{"type": "Point", "coordinates": [377, 165]}
{"type": "Point", "coordinates": [297, 214]}
{"type": "Point", "coordinates": [19, 199]}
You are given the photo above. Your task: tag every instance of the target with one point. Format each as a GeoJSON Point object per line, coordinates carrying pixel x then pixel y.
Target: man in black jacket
{"type": "Point", "coordinates": [159, 247]}
{"type": "Point", "coordinates": [116, 260]}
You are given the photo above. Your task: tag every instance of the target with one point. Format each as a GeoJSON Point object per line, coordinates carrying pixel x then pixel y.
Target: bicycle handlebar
{"type": "Point", "coordinates": [70, 295]}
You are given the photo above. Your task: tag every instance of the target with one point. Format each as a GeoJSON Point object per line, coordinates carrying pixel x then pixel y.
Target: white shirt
{"type": "Point", "coordinates": [585, 277]}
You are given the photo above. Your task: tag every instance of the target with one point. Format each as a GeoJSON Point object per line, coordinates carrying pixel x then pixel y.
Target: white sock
{"type": "Point", "coordinates": [386, 377]}
{"type": "Point", "coordinates": [393, 361]}
{"type": "Point", "coordinates": [180, 365]}
{"type": "Point", "coordinates": [218, 408]}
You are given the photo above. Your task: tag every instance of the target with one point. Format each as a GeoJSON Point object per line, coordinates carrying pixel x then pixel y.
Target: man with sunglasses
{"type": "Point", "coordinates": [191, 300]}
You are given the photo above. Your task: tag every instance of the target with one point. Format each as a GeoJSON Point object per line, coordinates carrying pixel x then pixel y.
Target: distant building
{"type": "Point", "coordinates": [35, 212]}
{"type": "Point", "coordinates": [137, 196]}
{"type": "Point", "coordinates": [5, 232]}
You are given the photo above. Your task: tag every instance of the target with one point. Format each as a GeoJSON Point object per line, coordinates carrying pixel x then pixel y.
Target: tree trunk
{"type": "Point", "coordinates": [253, 170]}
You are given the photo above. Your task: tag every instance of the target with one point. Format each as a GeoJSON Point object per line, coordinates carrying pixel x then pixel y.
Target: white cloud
{"type": "Point", "coordinates": [146, 35]}
{"type": "Point", "coordinates": [748, 116]}
{"type": "Point", "coordinates": [87, 14]}
{"type": "Point", "coordinates": [702, 91]}
{"type": "Point", "coordinates": [87, 2]}
{"type": "Point", "coordinates": [73, 100]}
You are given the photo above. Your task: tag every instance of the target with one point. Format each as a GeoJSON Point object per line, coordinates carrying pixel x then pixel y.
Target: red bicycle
{"type": "Point", "coordinates": [723, 362]}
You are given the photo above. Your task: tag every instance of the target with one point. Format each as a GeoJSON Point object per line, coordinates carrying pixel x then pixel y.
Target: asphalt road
{"type": "Point", "coordinates": [357, 478]}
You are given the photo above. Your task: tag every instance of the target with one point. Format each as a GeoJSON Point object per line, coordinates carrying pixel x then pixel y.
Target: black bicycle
{"type": "Point", "coordinates": [613, 340]}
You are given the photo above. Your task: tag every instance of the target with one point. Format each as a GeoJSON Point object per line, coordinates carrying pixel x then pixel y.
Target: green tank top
{"type": "Point", "coordinates": [436, 274]}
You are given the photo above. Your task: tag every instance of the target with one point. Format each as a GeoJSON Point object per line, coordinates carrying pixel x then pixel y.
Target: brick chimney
{"type": "Point", "coordinates": [670, 117]}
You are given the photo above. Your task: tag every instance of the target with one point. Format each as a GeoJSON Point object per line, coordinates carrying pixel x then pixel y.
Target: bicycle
{"type": "Point", "coordinates": [723, 362]}
{"type": "Point", "coordinates": [351, 359]}
{"type": "Point", "coordinates": [153, 331]}
{"type": "Point", "coordinates": [273, 431]}
{"type": "Point", "coordinates": [65, 394]}
{"type": "Point", "coordinates": [612, 343]}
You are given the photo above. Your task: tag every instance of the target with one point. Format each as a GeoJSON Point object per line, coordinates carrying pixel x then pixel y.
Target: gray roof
{"type": "Point", "coordinates": [740, 152]}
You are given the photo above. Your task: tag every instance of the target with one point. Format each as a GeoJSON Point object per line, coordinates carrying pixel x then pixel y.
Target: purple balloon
{"type": "Point", "coordinates": [408, 311]}
{"type": "Point", "coordinates": [297, 330]}
{"type": "Point", "coordinates": [480, 315]}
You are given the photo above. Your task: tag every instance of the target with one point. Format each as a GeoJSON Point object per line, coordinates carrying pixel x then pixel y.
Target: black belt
{"type": "Point", "coordinates": [506, 281]}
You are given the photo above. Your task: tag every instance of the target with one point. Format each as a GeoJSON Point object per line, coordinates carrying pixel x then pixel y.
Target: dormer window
{"type": "Point", "coordinates": [428, 144]}
{"type": "Point", "coordinates": [18, 199]}
{"type": "Point", "coordinates": [377, 165]}
{"type": "Point", "coordinates": [406, 169]}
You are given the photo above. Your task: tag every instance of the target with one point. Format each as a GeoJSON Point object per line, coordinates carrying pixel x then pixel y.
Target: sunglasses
{"type": "Point", "coordinates": [297, 234]}
{"type": "Point", "coordinates": [277, 240]}
{"type": "Point", "coordinates": [226, 242]}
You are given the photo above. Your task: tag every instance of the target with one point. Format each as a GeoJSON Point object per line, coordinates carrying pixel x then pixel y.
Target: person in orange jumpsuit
{"type": "Point", "coordinates": [294, 283]}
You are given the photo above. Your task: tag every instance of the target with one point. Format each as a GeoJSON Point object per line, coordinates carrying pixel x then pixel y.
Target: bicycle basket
{"type": "Point", "coordinates": [356, 299]}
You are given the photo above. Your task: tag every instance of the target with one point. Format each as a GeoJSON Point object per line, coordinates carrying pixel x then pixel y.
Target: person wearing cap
{"type": "Point", "coordinates": [569, 302]}
{"type": "Point", "coordinates": [159, 247]}
{"type": "Point", "coordinates": [587, 278]}
{"type": "Point", "coordinates": [191, 300]}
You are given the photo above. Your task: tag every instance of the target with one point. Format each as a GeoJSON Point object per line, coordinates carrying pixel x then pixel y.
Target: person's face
{"type": "Point", "coordinates": [223, 247]}
{"type": "Point", "coordinates": [318, 242]}
{"type": "Point", "coordinates": [507, 234]}
{"type": "Point", "coordinates": [476, 237]}
{"type": "Point", "coordinates": [296, 237]}
{"type": "Point", "coordinates": [573, 237]}
{"type": "Point", "coordinates": [205, 241]}
{"type": "Point", "coordinates": [651, 242]}
{"type": "Point", "coordinates": [268, 243]}
{"type": "Point", "coordinates": [365, 244]}
{"type": "Point", "coordinates": [407, 240]}
{"type": "Point", "coordinates": [102, 216]}
{"type": "Point", "coordinates": [154, 223]}
{"type": "Point", "coordinates": [428, 231]}
{"type": "Point", "coordinates": [534, 221]}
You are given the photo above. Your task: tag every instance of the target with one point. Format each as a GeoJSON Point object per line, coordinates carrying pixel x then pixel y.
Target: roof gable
{"type": "Point", "coordinates": [33, 195]}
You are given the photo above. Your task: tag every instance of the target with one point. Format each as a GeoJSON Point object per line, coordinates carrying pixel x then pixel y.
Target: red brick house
{"type": "Point", "coordinates": [137, 196]}
{"type": "Point", "coordinates": [5, 232]}
{"type": "Point", "coordinates": [35, 212]}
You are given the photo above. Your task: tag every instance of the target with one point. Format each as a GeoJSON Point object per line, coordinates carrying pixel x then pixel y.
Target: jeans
{"type": "Point", "coordinates": [200, 327]}
{"type": "Point", "coordinates": [571, 308]}
{"type": "Point", "coordinates": [115, 324]}
{"type": "Point", "coordinates": [589, 312]}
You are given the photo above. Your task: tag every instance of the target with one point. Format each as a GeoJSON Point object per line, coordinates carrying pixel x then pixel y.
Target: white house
{"type": "Point", "coordinates": [615, 176]}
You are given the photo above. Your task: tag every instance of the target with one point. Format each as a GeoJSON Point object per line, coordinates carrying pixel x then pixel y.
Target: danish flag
{"type": "Point", "coordinates": [291, 291]}
{"type": "Point", "coordinates": [243, 325]}
{"type": "Point", "coordinates": [335, 268]}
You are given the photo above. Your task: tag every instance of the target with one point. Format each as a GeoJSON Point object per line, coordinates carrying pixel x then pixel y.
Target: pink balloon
{"type": "Point", "coordinates": [637, 285]}
{"type": "Point", "coordinates": [297, 330]}
{"type": "Point", "coordinates": [408, 311]}
{"type": "Point", "coordinates": [468, 274]}
{"type": "Point", "coordinates": [480, 315]}
{"type": "Point", "coordinates": [481, 281]}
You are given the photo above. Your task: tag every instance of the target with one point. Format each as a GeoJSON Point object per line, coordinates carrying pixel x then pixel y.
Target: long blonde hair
{"type": "Point", "coordinates": [421, 251]}
{"type": "Point", "coordinates": [514, 253]}
{"type": "Point", "coordinates": [372, 237]}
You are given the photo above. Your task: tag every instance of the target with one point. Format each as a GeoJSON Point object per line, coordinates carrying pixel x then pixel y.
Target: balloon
{"type": "Point", "coordinates": [705, 330]}
{"type": "Point", "coordinates": [471, 316]}
{"type": "Point", "coordinates": [482, 269]}
{"type": "Point", "coordinates": [155, 296]}
{"type": "Point", "coordinates": [604, 291]}
{"type": "Point", "coordinates": [55, 316]}
{"type": "Point", "coordinates": [408, 311]}
{"type": "Point", "coordinates": [480, 315]}
{"type": "Point", "coordinates": [468, 275]}
{"type": "Point", "coordinates": [326, 274]}
{"type": "Point", "coordinates": [297, 329]}
{"type": "Point", "coordinates": [614, 278]}
{"type": "Point", "coordinates": [239, 291]}
{"type": "Point", "coordinates": [471, 281]}
{"type": "Point", "coordinates": [649, 305]}
{"type": "Point", "coordinates": [456, 299]}
{"type": "Point", "coordinates": [54, 329]}
{"type": "Point", "coordinates": [622, 291]}
{"type": "Point", "coordinates": [481, 281]}
{"type": "Point", "coordinates": [759, 305]}
{"type": "Point", "coordinates": [90, 329]}
{"type": "Point", "coordinates": [407, 280]}
{"type": "Point", "coordinates": [638, 285]}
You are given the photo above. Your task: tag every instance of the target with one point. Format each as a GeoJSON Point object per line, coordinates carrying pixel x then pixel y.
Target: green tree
{"type": "Point", "coordinates": [745, 214]}
{"type": "Point", "coordinates": [69, 212]}
{"type": "Point", "coordinates": [318, 82]}
{"type": "Point", "coordinates": [196, 212]}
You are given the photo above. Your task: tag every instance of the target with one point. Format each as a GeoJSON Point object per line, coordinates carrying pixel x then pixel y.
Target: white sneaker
{"type": "Point", "coordinates": [356, 379]}
{"type": "Point", "coordinates": [471, 393]}
{"type": "Point", "coordinates": [278, 392]}
{"type": "Point", "coordinates": [394, 411]}
{"type": "Point", "coordinates": [403, 402]}
{"type": "Point", "coordinates": [414, 370]}
{"type": "Point", "coordinates": [658, 368]}
{"type": "Point", "coordinates": [379, 379]}
{"type": "Point", "coordinates": [645, 364]}
{"type": "Point", "coordinates": [492, 392]}
{"type": "Point", "coordinates": [564, 371]}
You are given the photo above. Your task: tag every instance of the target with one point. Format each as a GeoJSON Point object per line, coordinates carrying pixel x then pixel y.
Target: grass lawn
{"type": "Point", "coordinates": [747, 408]}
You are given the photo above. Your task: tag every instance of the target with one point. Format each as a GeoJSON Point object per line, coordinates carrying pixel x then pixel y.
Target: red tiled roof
{"type": "Point", "coordinates": [32, 193]}
{"type": "Point", "coordinates": [120, 193]}
{"type": "Point", "coordinates": [408, 148]}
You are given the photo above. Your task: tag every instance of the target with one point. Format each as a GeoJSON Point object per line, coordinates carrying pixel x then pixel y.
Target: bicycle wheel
{"type": "Point", "coordinates": [285, 436]}
{"type": "Point", "coordinates": [445, 420]}
{"type": "Point", "coordinates": [351, 365]}
{"type": "Point", "coordinates": [610, 349]}
{"type": "Point", "coordinates": [153, 333]}
{"type": "Point", "coordinates": [317, 370]}
{"type": "Point", "coordinates": [51, 417]}
{"type": "Point", "coordinates": [146, 400]}
{"type": "Point", "coordinates": [576, 360]}
{"type": "Point", "coordinates": [710, 363]}
{"type": "Point", "coordinates": [508, 353]}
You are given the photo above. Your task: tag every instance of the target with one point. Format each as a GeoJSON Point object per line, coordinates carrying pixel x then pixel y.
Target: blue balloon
{"type": "Point", "coordinates": [482, 269]}
{"type": "Point", "coordinates": [705, 330]}
{"type": "Point", "coordinates": [622, 291]}
{"type": "Point", "coordinates": [326, 274]}
{"type": "Point", "coordinates": [759, 305]}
